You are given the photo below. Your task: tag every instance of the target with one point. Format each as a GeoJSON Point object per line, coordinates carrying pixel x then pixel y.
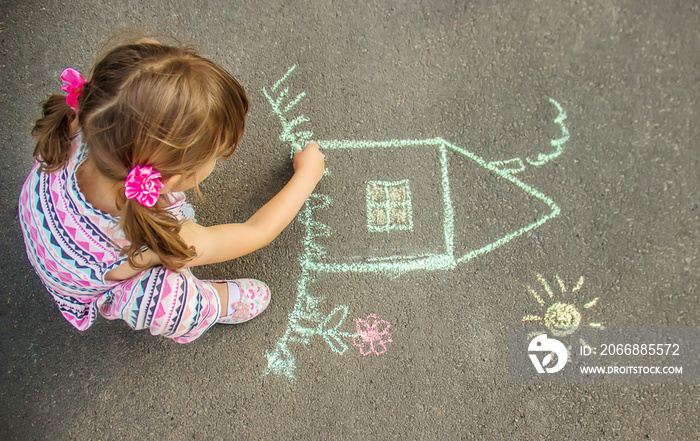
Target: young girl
{"type": "Point", "coordinates": [102, 210]}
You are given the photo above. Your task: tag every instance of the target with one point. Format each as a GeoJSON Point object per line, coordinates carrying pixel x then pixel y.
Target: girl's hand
{"type": "Point", "coordinates": [309, 161]}
{"type": "Point", "coordinates": [224, 242]}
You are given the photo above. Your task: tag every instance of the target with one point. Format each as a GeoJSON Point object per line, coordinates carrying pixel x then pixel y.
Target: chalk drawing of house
{"type": "Point", "coordinates": [406, 205]}
{"type": "Point", "coordinates": [393, 212]}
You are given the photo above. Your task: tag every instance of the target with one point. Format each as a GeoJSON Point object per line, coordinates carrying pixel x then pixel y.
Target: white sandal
{"type": "Point", "coordinates": [254, 298]}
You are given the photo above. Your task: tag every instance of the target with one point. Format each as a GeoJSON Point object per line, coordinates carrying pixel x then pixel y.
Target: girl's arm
{"type": "Point", "coordinates": [125, 271]}
{"type": "Point", "coordinates": [228, 241]}
{"type": "Point", "coordinates": [225, 242]}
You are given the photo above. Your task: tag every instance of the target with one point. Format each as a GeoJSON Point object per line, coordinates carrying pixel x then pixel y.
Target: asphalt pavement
{"type": "Point", "coordinates": [490, 164]}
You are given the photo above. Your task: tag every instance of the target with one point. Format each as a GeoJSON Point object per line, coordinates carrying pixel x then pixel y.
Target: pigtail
{"type": "Point", "coordinates": [151, 109]}
{"type": "Point", "coordinates": [53, 133]}
{"type": "Point", "coordinates": [156, 229]}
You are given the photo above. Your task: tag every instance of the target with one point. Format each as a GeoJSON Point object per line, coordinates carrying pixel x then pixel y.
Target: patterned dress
{"type": "Point", "coordinates": [72, 245]}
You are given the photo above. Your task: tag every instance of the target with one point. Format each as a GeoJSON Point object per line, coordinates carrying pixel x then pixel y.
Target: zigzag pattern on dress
{"type": "Point", "coordinates": [71, 245]}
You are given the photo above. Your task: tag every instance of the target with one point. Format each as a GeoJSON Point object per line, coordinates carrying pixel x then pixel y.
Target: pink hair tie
{"type": "Point", "coordinates": [74, 85]}
{"type": "Point", "coordinates": [144, 185]}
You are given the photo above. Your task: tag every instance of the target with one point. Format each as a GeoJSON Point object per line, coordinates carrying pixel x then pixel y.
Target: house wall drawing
{"type": "Point", "coordinates": [408, 205]}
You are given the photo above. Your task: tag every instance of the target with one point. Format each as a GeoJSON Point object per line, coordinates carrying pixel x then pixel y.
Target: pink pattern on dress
{"type": "Point", "coordinates": [372, 335]}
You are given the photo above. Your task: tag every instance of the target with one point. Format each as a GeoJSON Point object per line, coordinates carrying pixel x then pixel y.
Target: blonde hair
{"type": "Point", "coordinates": [151, 104]}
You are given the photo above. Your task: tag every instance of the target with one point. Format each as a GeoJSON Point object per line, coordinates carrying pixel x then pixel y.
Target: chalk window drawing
{"type": "Point", "coordinates": [389, 206]}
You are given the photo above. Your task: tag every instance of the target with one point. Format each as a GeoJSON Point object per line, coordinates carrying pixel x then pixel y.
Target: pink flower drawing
{"type": "Point", "coordinates": [372, 335]}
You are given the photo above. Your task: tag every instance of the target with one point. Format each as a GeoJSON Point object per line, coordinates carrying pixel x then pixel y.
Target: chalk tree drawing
{"type": "Point", "coordinates": [388, 205]}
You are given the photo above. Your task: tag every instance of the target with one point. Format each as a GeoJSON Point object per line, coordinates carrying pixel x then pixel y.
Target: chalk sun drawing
{"type": "Point", "coordinates": [563, 312]}
{"type": "Point", "coordinates": [389, 210]}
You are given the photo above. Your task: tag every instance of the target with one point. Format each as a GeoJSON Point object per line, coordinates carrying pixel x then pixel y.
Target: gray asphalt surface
{"type": "Point", "coordinates": [477, 74]}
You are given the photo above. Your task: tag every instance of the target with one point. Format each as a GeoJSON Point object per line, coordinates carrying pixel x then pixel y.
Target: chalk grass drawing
{"type": "Point", "coordinates": [563, 311]}
{"type": "Point", "coordinates": [389, 211]}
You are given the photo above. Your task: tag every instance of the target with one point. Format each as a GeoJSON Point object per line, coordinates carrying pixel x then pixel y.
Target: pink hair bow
{"type": "Point", "coordinates": [74, 85]}
{"type": "Point", "coordinates": [144, 185]}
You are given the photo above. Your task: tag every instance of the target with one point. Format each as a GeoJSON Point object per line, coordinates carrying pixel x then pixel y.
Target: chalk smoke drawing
{"type": "Point", "coordinates": [562, 312]}
{"type": "Point", "coordinates": [388, 208]}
